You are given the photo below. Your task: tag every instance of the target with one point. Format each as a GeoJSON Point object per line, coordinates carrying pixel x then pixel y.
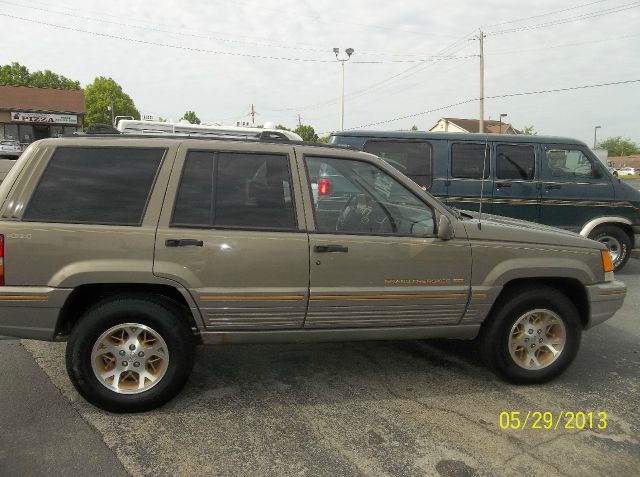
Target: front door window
{"type": "Point", "coordinates": [354, 197]}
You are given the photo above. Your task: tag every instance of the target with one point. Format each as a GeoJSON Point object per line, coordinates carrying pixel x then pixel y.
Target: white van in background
{"type": "Point", "coordinates": [134, 126]}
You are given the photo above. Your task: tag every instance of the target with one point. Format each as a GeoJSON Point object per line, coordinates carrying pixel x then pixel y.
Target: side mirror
{"type": "Point", "coordinates": [445, 228]}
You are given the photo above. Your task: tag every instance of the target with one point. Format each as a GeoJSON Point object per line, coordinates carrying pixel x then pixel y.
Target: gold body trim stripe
{"type": "Point", "coordinates": [615, 292]}
{"type": "Point", "coordinates": [407, 296]}
{"type": "Point", "coordinates": [24, 297]}
{"type": "Point", "coordinates": [252, 298]}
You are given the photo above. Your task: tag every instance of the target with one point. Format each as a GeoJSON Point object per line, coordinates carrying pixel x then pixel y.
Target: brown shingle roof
{"type": "Point", "coordinates": [42, 99]}
{"type": "Point", "coordinates": [490, 125]}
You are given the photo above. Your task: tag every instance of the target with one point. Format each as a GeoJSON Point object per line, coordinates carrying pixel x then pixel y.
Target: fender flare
{"type": "Point", "coordinates": [592, 224]}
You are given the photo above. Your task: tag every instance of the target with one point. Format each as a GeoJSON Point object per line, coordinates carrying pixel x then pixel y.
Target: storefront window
{"type": "Point", "coordinates": [11, 131]}
{"type": "Point", "coordinates": [25, 133]}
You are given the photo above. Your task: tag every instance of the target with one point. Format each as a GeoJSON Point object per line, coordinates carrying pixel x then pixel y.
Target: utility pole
{"type": "Point", "coordinates": [253, 115]}
{"type": "Point", "coordinates": [299, 120]}
{"type": "Point", "coordinates": [481, 123]}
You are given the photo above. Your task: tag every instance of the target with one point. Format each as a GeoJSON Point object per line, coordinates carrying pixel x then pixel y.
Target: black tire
{"type": "Point", "coordinates": [605, 234]}
{"type": "Point", "coordinates": [495, 333]}
{"type": "Point", "coordinates": [160, 314]}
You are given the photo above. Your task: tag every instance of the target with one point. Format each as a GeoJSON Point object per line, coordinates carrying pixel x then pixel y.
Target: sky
{"type": "Point", "coordinates": [415, 61]}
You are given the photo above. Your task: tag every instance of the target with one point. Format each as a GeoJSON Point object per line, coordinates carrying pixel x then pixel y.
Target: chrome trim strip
{"type": "Point", "coordinates": [353, 334]}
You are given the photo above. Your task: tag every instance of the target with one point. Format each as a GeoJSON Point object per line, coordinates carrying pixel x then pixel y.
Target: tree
{"type": "Point", "coordinates": [191, 117]}
{"type": "Point", "coordinates": [529, 131]}
{"type": "Point", "coordinates": [618, 146]}
{"type": "Point", "coordinates": [413, 128]}
{"type": "Point", "coordinates": [307, 133]}
{"type": "Point", "coordinates": [282, 128]}
{"type": "Point", "coordinates": [324, 139]}
{"type": "Point", "coordinates": [16, 74]}
{"type": "Point", "coordinates": [100, 94]}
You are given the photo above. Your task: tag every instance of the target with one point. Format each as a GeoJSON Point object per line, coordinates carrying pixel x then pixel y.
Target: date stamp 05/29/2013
{"type": "Point", "coordinates": [547, 420]}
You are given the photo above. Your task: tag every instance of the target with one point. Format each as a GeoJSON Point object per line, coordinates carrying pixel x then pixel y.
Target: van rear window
{"type": "Point", "coordinates": [412, 158]}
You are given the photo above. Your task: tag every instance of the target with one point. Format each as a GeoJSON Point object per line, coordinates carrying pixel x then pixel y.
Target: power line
{"type": "Point", "coordinates": [508, 95]}
{"type": "Point", "coordinates": [218, 52]}
{"type": "Point", "coordinates": [519, 20]}
{"type": "Point", "coordinates": [561, 45]}
{"type": "Point", "coordinates": [585, 16]}
{"type": "Point", "coordinates": [208, 35]}
{"type": "Point", "coordinates": [386, 81]}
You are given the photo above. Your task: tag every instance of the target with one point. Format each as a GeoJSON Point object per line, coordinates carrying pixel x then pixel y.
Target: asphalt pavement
{"type": "Point", "coordinates": [411, 408]}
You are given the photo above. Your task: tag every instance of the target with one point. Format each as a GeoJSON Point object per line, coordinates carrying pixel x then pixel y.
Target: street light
{"type": "Point", "coordinates": [502, 115]}
{"type": "Point", "coordinates": [349, 52]}
{"type": "Point", "coordinates": [595, 135]}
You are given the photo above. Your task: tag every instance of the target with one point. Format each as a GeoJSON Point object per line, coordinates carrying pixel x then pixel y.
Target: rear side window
{"type": "Point", "coordinates": [412, 158]}
{"type": "Point", "coordinates": [469, 160]}
{"type": "Point", "coordinates": [95, 185]}
{"type": "Point", "coordinates": [515, 162]}
{"type": "Point", "coordinates": [235, 190]}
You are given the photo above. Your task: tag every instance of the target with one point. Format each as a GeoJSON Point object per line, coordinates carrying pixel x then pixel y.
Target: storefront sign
{"type": "Point", "coordinates": [44, 118]}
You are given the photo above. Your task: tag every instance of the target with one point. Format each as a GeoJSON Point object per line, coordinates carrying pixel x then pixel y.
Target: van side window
{"type": "Point", "coordinates": [569, 163]}
{"type": "Point", "coordinates": [95, 185]}
{"type": "Point", "coordinates": [236, 190]}
{"type": "Point", "coordinates": [469, 160]}
{"type": "Point", "coordinates": [412, 158]}
{"type": "Point", "coordinates": [515, 162]}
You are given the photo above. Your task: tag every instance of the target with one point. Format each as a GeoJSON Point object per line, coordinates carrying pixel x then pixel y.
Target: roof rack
{"type": "Point", "coordinates": [105, 131]}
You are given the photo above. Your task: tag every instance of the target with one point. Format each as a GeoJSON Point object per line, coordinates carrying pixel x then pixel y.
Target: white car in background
{"type": "Point", "coordinates": [626, 171]}
{"type": "Point", "coordinates": [10, 148]}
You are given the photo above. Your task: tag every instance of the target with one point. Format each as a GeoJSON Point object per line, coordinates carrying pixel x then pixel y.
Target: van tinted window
{"type": "Point", "coordinates": [469, 160]}
{"type": "Point", "coordinates": [412, 158]}
{"type": "Point", "coordinates": [515, 162]}
{"type": "Point", "coordinates": [242, 190]}
{"type": "Point", "coordinates": [96, 185]}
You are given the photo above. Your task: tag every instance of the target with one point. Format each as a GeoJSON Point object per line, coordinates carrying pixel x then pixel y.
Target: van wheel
{"type": "Point", "coordinates": [130, 353]}
{"type": "Point", "coordinates": [532, 337]}
{"type": "Point", "coordinates": [616, 240]}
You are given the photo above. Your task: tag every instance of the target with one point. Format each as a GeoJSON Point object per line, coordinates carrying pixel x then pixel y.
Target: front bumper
{"type": "Point", "coordinates": [604, 300]}
{"type": "Point", "coordinates": [31, 312]}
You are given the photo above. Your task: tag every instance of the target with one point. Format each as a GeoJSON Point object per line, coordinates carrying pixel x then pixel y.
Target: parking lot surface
{"type": "Point", "coordinates": [410, 408]}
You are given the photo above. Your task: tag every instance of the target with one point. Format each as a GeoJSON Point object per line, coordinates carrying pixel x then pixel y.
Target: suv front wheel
{"type": "Point", "coordinates": [130, 353]}
{"type": "Point", "coordinates": [533, 335]}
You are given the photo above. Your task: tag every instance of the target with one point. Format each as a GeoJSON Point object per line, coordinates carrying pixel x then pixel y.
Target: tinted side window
{"type": "Point", "coordinates": [469, 160]}
{"type": "Point", "coordinates": [412, 158]}
{"type": "Point", "coordinates": [567, 163]}
{"type": "Point", "coordinates": [355, 197]}
{"type": "Point", "coordinates": [515, 162]}
{"type": "Point", "coordinates": [107, 185]}
{"type": "Point", "coordinates": [240, 190]}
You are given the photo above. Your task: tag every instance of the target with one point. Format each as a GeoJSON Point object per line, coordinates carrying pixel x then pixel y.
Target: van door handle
{"type": "Point", "coordinates": [500, 185]}
{"type": "Point", "coordinates": [330, 248]}
{"type": "Point", "coordinates": [552, 186]}
{"type": "Point", "coordinates": [183, 242]}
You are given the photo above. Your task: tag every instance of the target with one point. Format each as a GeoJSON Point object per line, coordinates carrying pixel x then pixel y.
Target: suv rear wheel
{"type": "Point", "coordinates": [130, 353]}
{"type": "Point", "coordinates": [533, 336]}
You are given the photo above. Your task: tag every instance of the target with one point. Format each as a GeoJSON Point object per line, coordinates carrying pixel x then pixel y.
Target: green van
{"type": "Point", "coordinates": [551, 180]}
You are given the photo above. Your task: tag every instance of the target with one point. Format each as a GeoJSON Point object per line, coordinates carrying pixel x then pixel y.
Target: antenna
{"type": "Point", "coordinates": [484, 167]}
